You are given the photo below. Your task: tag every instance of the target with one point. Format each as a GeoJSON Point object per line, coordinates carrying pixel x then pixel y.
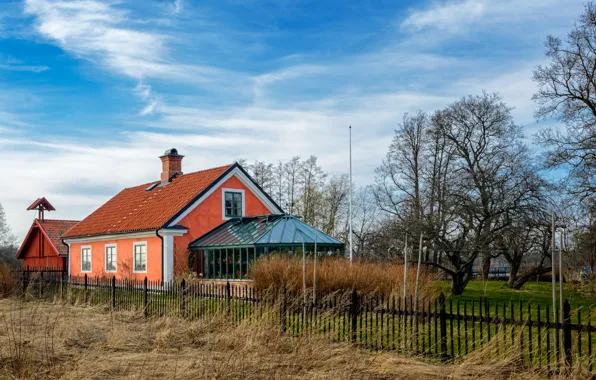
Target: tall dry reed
{"type": "Point", "coordinates": [336, 274]}
{"type": "Point", "coordinates": [9, 280]}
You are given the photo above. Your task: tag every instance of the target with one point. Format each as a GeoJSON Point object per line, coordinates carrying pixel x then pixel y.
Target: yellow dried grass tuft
{"type": "Point", "coordinates": [336, 274]}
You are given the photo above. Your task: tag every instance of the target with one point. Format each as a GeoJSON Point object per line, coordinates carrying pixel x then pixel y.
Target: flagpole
{"type": "Point", "coordinates": [553, 263]}
{"type": "Point", "coordinates": [350, 237]}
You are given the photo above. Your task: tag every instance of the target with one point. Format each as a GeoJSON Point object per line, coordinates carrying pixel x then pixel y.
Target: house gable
{"type": "Point", "coordinates": [235, 171]}
{"type": "Point", "coordinates": [208, 214]}
{"type": "Point", "coordinates": [42, 247]}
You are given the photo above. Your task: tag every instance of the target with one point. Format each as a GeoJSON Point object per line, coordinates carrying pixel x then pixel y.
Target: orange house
{"type": "Point", "coordinates": [42, 247]}
{"type": "Point", "coordinates": [144, 231]}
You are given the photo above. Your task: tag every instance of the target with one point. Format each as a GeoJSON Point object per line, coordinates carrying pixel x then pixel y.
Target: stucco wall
{"type": "Point", "coordinates": [124, 255]}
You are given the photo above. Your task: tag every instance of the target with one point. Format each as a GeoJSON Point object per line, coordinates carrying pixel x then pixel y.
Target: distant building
{"type": "Point", "coordinates": [42, 247]}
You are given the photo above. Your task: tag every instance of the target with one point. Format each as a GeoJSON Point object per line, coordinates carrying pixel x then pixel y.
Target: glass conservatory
{"type": "Point", "coordinates": [227, 252]}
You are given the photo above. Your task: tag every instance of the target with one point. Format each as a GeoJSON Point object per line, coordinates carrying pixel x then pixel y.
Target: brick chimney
{"type": "Point", "coordinates": [171, 163]}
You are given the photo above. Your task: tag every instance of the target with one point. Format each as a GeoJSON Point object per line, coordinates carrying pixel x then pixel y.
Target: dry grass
{"type": "Point", "coordinates": [50, 341]}
{"type": "Point", "coordinates": [8, 280]}
{"type": "Point", "coordinates": [335, 274]}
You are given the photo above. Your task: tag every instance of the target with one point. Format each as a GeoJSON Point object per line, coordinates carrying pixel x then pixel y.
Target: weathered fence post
{"type": "Point", "coordinates": [282, 308]}
{"type": "Point", "coordinates": [183, 298]}
{"type": "Point", "coordinates": [228, 297]}
{"type": "Point", "coordinates": [443, 326]}
{"type": "Point", "coordinates": [354, 314]}
{"type": "Point", "coordinates": [85, 290]}
{"type": "Point", "coordinates": [145, 303]}
{"type": "Point", "coordinates": [567, 333]}
{"type": "Point", "coordinates": [113, 292]}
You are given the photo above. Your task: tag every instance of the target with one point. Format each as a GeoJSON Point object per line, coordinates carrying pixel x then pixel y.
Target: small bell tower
{"type": "Point", "coordinates": [41, 205]}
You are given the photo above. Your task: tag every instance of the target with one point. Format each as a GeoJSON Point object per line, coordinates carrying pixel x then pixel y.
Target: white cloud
{"type": "Point", "coordinates": [152, 101]}
{"type": "Point", "coordinates": [449, 16]}
{"type": "Point", "coordinates": [95, 30]}
{"type": "Point", "coordinates": [178, 6]}
{"type": "Point", "coordinates": [459, 15]}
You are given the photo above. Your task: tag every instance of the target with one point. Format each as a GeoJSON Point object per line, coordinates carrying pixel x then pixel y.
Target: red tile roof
{"type": "Point", "coordinates": [135, 209]}
{"type": "Point", "coordinates": [55, 229]}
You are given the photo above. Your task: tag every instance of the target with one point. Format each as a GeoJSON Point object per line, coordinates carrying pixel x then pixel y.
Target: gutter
{"type": "Point", "coordinates": [67, 256]}
{"type": "Point", "coordinates": [160, 238]}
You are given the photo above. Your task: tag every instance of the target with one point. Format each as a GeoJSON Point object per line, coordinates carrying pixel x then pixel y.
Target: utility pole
{"type": "Point", "coordinates": [350, 237]}
{"type": "Point", "coordinates": [553, 263]}
{"type": "Point", "coordinates": [418, 273]}
{"type": "Point", "coordinates": [314, 275]}
{"type": "Point", "coordinates": [561, 272]}
{"type": "Point", "coordinates": [406, 269]}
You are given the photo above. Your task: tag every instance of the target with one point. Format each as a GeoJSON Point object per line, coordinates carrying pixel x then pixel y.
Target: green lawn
{"type": "Point", "coordinates": [534, 292]}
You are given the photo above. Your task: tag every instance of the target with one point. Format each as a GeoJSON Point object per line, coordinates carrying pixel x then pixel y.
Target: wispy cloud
{"type": "Point", "coordinates": [151, 100]}
{"type": "Point", "coordinates": [177, 6]}
{"type": "Point", "coordinates": [458, 16]}
{"type": "Point", "coordinates": [13, 64]}
{"type": "Point", "coordinates": [450, 16]}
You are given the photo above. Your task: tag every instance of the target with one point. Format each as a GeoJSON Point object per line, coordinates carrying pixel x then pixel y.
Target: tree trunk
{"type": "Point", "coordinates": [528, 275]}
{"type": "Point", "coordinates": [460, 279]}
{"type": "Point", "coordinates": [513, 272]}
{"type": "Point", "coordinates": [485, 266]}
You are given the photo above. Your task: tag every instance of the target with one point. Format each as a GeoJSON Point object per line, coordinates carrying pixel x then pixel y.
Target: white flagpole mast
{"type": "Point", "coordinates": [350, 238]}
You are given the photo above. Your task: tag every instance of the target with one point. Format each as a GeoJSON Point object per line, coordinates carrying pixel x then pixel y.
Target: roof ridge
{"type": "Point", "coordinates": [58, 220]}
{"type": "Point", "coordinates": [179, 176]}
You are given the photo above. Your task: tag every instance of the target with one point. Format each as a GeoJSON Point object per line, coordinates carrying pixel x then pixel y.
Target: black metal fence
{"type": "Point", "coordinates": [441, 328]}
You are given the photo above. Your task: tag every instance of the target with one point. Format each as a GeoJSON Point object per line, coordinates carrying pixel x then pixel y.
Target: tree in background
{"type": "Point", "coordinates": [8, 242]}
{"type": "Point", "coordinates": [567, 91]}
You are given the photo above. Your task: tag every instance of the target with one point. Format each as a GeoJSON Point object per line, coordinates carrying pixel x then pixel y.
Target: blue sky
{"type": "Point", "coordinates": [92, 92]}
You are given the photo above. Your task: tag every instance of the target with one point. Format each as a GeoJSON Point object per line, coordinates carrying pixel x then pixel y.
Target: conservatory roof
{"type": "Point", "coordinates": [264, 230]}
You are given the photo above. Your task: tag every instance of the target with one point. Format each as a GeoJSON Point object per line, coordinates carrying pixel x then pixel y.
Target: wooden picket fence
{"type": "Point", "coordinates": [439, 328]}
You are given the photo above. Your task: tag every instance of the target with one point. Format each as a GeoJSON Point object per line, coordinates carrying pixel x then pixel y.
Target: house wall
{"type": "Point", "coordinates": [208, 215]}
{"type": "Point", "coordinates": [124, 255]}
{"type": "Point", "coordinates": [39, 252]}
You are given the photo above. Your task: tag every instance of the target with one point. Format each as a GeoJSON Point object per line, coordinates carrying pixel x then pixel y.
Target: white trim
{"type": "Point", "coordinates": [136, 243]}
{"type": "Point", "coordinates": [89, 239]}
{"type": "Point", "coordinates": [236, 172]}
{"type": "Point", "coordinates": [172, 232]}
{"type": "Point", "coordinates": [168, 258]}
{"type": "Point", "coordinates": [225, 190]}
{"type": "Point", "coordinates": [105, 257]}
{"type": "Point", "coordinates": [90, 259]}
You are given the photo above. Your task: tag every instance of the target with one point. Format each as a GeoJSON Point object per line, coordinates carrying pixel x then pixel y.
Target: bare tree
{"type": "Point", "coordinates": [398, 185]}
{"type": "Point", "coordinates": [8, 242]}
{"type": "Point", "coordinates": [291, 169]}
{"type": "Point", "coordinates": [312, 178]}
{"type": "Point", "coordinates": [567, 90]}
{"type": "Point", "coordinates": [334, 198]}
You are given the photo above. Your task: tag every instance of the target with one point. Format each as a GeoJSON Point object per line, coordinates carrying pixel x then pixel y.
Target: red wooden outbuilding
{"type": "Point", "coordinates": [42, 247]}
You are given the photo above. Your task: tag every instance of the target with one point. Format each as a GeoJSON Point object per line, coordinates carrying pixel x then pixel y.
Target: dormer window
{"type": "Point", "coordinates": [233, 203]}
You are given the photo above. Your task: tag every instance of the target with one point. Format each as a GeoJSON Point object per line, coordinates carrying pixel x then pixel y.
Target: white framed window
{"type": "Point", "coordinates": [139, 252]}
{"type": "Point", "coordinates": [86, 259]}
{"type": "Point", "coordinates": [233, 202]}
{"type": "Point", "coordinates": [110, 258]}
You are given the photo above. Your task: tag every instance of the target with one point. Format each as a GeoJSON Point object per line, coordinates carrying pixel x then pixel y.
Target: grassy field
{"type": "Point", "coordinates": [538, 293]}
{"type": "Point", "coordinates": [51, 341]}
